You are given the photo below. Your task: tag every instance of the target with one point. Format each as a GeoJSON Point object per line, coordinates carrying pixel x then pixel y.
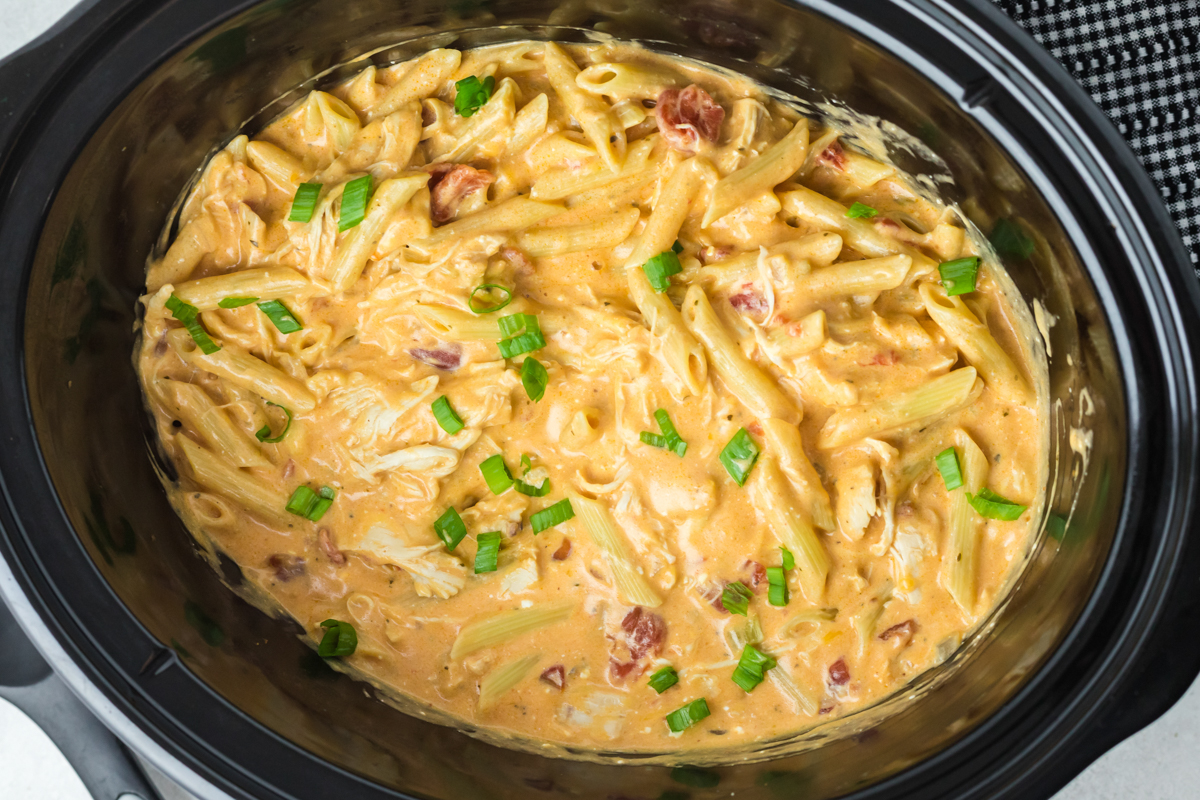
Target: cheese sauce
{"type": "Point", "coordinates": [295, 349]}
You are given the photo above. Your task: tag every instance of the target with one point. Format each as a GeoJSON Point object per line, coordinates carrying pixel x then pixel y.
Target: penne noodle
{"type": "Point", "coordinates": [976, 343]}
{"type": "Point", "coordinates": [547, 242]}
{"type": "Point", "coordinates": [512, 215]}
{"type": "Point", "coordinates": [778, 163]}
{"type": "Point", "coordinates": [201, 414]}
{"type": "Point", "coordinates": [784, 440]}
{"type": "Point", "coordinates": [626, 81]}
{"type": "Point", "coordinates": [242, 369]}
{"type": "Point", "coordinates": [499, 680]}
{"type": "Point", "coordinates": [277, 165]}
{"type": "Point", "coordinates": [741, 376]}
{"type": "Point", "coordinates": [505, 626]}
{"type": "Point", "coordinates": [425, 78]}
{"type": "Point", "coordinates": [594, 116]}
{"type": "Point", "coordinates": [632, 587]}
{"type": "Point", "coordinates": [195, 240]}
{"type": "Point", "coordinates": [936, 398]}
{"type": "Point", "coordinates": [359, 243]}
{"type": "Point", "coordinates": [223, 478]}
{"type": "Point", "coordinates": [557, 184]}
{"type": "Point", "coordinates": [866, 277]}
{"type": "Point", "coordinates": [267, 283]}
{"type": "Point", "coordinates": [791, 526]}
{"type": "Point", "coordinates": [963, 556]}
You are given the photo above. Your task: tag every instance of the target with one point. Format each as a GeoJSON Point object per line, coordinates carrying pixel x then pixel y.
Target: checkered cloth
{"type": "Point", "coordinates": [1140, 61]}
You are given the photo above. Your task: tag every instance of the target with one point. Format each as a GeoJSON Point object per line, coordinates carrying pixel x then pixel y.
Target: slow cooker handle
{"type": "Point", "coordinates": [106, 768]}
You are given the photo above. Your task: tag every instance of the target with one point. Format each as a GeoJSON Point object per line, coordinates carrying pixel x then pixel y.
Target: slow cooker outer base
{"type": "Point", "coordinates": [1117, 258]}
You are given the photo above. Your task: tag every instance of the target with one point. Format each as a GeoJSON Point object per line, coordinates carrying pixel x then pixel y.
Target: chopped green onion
{"type": "Point", "coordinates": [236, 302]}
{"type": "Point", "coordinates": [683, 718]}
{"type": "Point", "coordinates": [739, 456]}
{"type": "Point", "coordinates": [496, 473]}
{"type": "Point", "coordinates": [664, 679]}
{"type": "Point", "coordinates": [860, 211]}
{"type": "Point", "coordinates": [654, 440]}
{"type": "Point", "coordinates": [471, 94]}
{"type": "Point", "coordinates": [450, 528]}
{"type": "Point", "coordinates": [488, 551]}
{"type": "Point", "coordinates": [789, 560]}
{"type": "Point", "coordinates": [991, 505]}
{"type": "Point", "coordinates": [777, 590]}
{"type": "Point", "coordinates": [324, 501]}
{"type": "Point", "coordinates": [354, 203]}
{"type": "Point", "coordinates": [189, 315]}
{"type": "Point", "coordinates": [533, 490]}
{"type": "Point", "coordinates": [1011, 241]}
{"type": "Point", "coordinates": [736, 598]}
{"type": "Point", "coordinates": [340, 639]}
{"type": "Point", "coordinates": [304, 202]}
{"type": "Point", "coordinates": [660, 268]}
{"type": "Point", "coordinates": [552, 515]}
{"type": "Point", "coordinates": [488, 289]}
{"type": "Point", "coordinates": [263, 434]}
{"type": "Point", "coordinates": [522, 334]}
{"type": "Point", "coordinates": [752, 667]}
{"type": "Point", "coordinates": [304, 502]}
{"type": "Point", "coordinates": [446, 417]}
{"type": "Point", "coordinates": [526, 463]}
{"type": "Point", "coordinates": [677, 248]}
{"type": "Point", "coordinates": [281, 316]}
{"type": "Point", "coordinates": [958, 276]}
{"type": "Point", "coordinates": [947, 464]}
{"type": "Point", "coordinates": [534, 378]}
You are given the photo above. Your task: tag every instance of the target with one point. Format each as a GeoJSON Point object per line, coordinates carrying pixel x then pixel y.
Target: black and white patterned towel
{"type": "Point", "coordinates": [1140, 61]}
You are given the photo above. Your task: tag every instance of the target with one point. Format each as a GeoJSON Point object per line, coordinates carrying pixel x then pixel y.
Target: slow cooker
{"type": "Point", "coordinates": [104, 122]}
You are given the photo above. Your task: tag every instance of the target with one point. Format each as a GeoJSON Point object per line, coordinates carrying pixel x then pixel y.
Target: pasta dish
{"type": "Point", "coordinates": [592, 396]}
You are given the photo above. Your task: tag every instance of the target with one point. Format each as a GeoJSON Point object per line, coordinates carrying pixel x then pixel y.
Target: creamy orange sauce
{"type": "Point", "coordinates": [387, 332]}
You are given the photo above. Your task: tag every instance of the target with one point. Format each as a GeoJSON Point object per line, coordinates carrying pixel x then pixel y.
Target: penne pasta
{"type": "Point", "coordinates": [242, 369]}
{"type": "Point", "coordinates": [778, 163]}
{"type": "Point", "coordinates": [545, 242]}
{"type": "Point", "coordinates": [505, 626]}
{"type": "Point", "coordinates": [866, 277]}
{"type": "Point", "coordinates": [625, 81]}
{"type": "Point", "coordinates": [784, 440]}
{"type": "Point", "coordinates": [223, 478]}
{"type": "Point", "coordinates": [557, 184]}
{"type": "Point", "coordinates": [512, 215]}
{"type": "Point", "coordinates": [963, 556]}
{"type": "Point", "coordinates": [277, 165]}
{"type": "Point", "coordinates": [936, 398]}
{"type": "Point", "coordinates": [425, 78]}
{"type": "Point", "coordinates": [359, 243]}
{"type": "Point", "coordinates": [198, 411]}
{"type": "Point", "coordinates": [267, 283]}
{"type": "Point", "coordinates": [502, 678]}
{"type": "Point", "coordinates": [741, 376]}
{"type": "Point", "coordinates": [632, 587]}
{"type": "Point", "coordinates": [792, 526]}
{"type": "Point", "coordinates": [594, 116]}
{"type": "Point", "coordinates": [975, 341]}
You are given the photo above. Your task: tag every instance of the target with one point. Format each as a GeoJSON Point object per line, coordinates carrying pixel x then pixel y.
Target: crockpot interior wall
{"type": "Point", "coordinates": [92, 428]}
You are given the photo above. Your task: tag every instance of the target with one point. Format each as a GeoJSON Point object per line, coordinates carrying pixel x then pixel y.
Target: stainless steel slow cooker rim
{"type": "Point", "coordinates": [245, 5]}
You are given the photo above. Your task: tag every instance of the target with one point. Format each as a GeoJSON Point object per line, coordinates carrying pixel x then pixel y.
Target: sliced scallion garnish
{"type": "Point", "coordinates": [281, 316]}
{"type": "Point", "coordinates": [677, 248]}
{"type": "Point", "coordinates": [522, 334]}
{"type": "Point", "coordinates": [340, 639]}
{"type": "Point", "coordinates": [752, 667]}
{"type": "Point", "coordinates": [683, 718]}
{"type": "Point", "coordinates": [533, 489]}
{"type": "Point", "coordinates": [496, 473]}
{"type": "Point", "coordinates": [660, 268]}
{"type": "Point", "coordinates": [664, 679]}
{"type": "Point", "coordinates": [446, 416]}
{"type": "Point", "coordinates": [534, 378]}
{"type": "Point", "coordinates": [354, 203]}
{"type": "Point", "coordinates": [552, 515]}
{"type": "Point", "coordinates": [739, 456]}
{"type": "Point", "coordinates": [959, 275]}
{"type": "Point", "coordinates": [189, 315]}
{"type": "Point", "coordinates": [487, 551]}
{"type": "Point", "coordinates": [789, 560]}
{"type": "Point", "coordinates": [670, 438]}
{"type": "Point", "coordinates": [324, 501]}
{"type": "Point", "coordinates": [472, 94]}
{"type": "Point", "coordinates": [991, 505]}
{"type": "Point", "coordinates": [736, 598]}
{"type": "Point", "coordinates": [263, 434]}
{"type": "Point", "coordinates": [450, 528]}
{"type": "Point", "coordinates": [859, 211]}
{"type": "Point", "coordinates": [304, 202]}
{"type": "Point", "coordinates": [236, 302]}
{"type": "Point", "coordinates": [311, 505]}
{"type": "Point", "coordinates": [777, 588]}
{"type": "Point", "coordinates": [488, 289]}
{"type": "Point", "coordinates": [947, 464]}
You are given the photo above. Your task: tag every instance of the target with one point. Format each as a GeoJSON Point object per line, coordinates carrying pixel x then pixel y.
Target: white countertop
{"type": "Point", "coordinates": [1160, 763]}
